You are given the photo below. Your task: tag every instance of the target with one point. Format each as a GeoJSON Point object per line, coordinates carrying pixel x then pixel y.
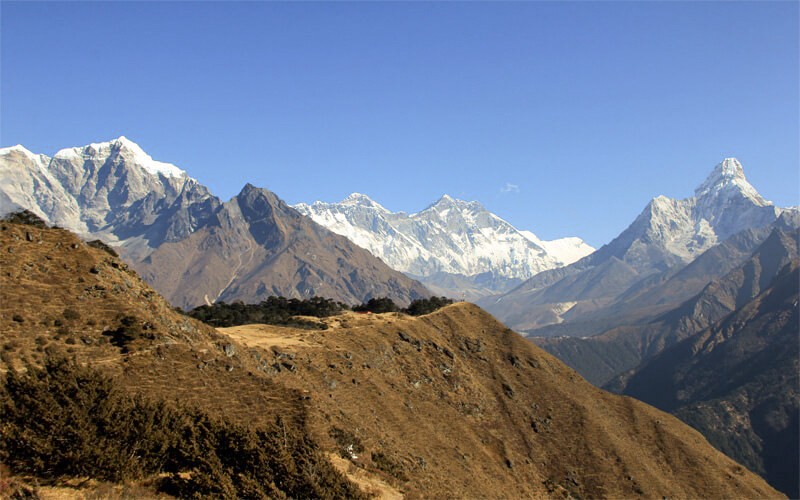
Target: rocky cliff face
{"type": "Point", "coordinates": [737, 381]}
{"type": "Point", "coordinates": [256, 246]}
{"type": "Point", "coordinates": [190, 245]}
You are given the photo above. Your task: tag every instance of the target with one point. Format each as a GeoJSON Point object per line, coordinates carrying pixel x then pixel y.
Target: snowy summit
{"type": "Point", "coordinates": [126, 149]}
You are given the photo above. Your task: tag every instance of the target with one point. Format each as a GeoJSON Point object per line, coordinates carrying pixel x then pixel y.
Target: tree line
{"type": "Point", "coordinates": [283, 311]}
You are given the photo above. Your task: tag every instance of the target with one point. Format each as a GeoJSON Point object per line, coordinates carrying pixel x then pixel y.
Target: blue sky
{"type": "Point", "coordinates": [563, 118]}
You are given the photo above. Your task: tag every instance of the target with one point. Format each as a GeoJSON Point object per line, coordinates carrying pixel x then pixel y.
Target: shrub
{"type": "Point", "coordinates": [273, 311]}
{"type": "Point", "coordinates": [25, 217]}
{"type": "Point", "coordinates": [71, 314]}
{"type": "Point", "coordinates": [64, 420]}
{"type": "Point", "coordinates": [427, 306]}
{"type": "Point", "coordinates": [377, 305]}
{"type": "Point", "coordinates": [104, 247]}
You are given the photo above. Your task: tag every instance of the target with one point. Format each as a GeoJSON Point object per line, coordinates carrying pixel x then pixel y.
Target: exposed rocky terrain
{"type": "Point", "coordinates": [256, 246]}
{"type": "Point", "coordinates": [186, 242]}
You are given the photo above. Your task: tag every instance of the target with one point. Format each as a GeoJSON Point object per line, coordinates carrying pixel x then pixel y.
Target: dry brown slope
{"type": "Point", "coordinates": [62, 297]}
{"type": "Point", "coordinates": [455, 404]}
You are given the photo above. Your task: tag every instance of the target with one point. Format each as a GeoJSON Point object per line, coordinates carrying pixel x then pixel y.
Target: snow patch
{"type": "Point", "coordinates": [126, 149]}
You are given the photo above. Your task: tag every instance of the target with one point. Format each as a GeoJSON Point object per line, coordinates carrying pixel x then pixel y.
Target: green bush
{"type": "Point", "coordinates": [378, 305]}
{"type": "Point", "coordinates": [426, 306]}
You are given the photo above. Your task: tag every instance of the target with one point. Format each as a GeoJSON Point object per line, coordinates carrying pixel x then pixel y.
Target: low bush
{"type": "Point", "coordinates": [377, 305]}
{"type": "Point", "coordinates": [65, 420]}
{"type": "Point", "coordinates": [426, 306]}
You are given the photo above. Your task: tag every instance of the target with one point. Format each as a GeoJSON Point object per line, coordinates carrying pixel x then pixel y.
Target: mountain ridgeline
{"type": "Point", "coordinates": [737, 381]}
{"type": "Point", "coordinates": [693, 308]}
{"type": "Point", "coordinates": [454, 247]}
{"type": "Point", "coordinates": [667, 235]}
{"type": "Point", "coordinates": [192, 247]}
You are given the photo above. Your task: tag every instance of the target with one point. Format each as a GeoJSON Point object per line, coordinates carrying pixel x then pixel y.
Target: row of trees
{"type": "Point", "coordinates": [273, 311]}
{"type": "Point", "coordinates": [283, 311]}
{"type": "Point", "coordinates": [416, 308]}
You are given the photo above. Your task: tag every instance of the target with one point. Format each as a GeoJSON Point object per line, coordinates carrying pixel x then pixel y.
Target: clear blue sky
{"type": "Point", "coordinates": [590, 109]}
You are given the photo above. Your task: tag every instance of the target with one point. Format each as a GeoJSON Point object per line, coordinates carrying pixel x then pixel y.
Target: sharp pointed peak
{"type": "Point", "coordinates": [446, 201]}
{"type": "Point", "coordinates": [123, 141]}
{"type": "Point", "coordinates": [362, 200]}
{"type": "Point", "coordinates": [250, 187]}
{"type": "Point", "coordinates": [357, 197]}
{"type": "Point", "coordinates": [727, 176]}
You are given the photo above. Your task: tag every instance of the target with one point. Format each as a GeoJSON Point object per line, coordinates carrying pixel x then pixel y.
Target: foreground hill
{"type": "Point", "coordinates": [187, 243]}
{"type": "Point", "coordinates": [448, 404]}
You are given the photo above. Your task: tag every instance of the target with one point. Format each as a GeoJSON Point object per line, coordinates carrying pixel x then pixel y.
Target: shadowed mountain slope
{"type": "Point", "coordinates": [737, 382]}
{"type": "Point", "coordinates": [668, 234]}
{"type": "Point", "coordinates": [257, 246]}
{"type": "Point", "coordinates": [621, 348]}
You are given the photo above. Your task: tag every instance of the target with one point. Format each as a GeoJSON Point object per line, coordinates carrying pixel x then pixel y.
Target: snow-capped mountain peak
{"type": "Point", "coordinates": [104, 188]}
{"type": "Point", "coordinates": [446, 203]}
{"type": "Point", "coordinates": [726, 179]}
{"type": "Point", "coordinates": [362, 200]}
{"type": "Point", "coordinates": [450, 236]}
{"type": "Point", "coordinates": [669, 229]}
{"type": "Point", "coordinates": [19, 148]}
{"type": "Point", "coordinates": [124, 148]}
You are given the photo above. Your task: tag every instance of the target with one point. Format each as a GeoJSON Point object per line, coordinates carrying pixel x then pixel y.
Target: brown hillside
{"type": "Point", "coordinates": [449, 404]}
{"type": "Point", "coordinates": [258, 246]}
{"type": "Point", "coordinates": [60, 296]}
{"type": "Point", "coordinates": [454, 403]}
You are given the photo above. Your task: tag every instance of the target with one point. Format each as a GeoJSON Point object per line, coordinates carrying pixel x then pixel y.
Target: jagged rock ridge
{"type": "Point", "coordinates": [156, 215]}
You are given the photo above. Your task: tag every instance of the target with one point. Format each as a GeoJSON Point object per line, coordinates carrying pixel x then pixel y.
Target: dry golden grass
{"type": "Point", "coordinates": [451, 404]}
{"type": "Point", "coordinates": [462, 406]}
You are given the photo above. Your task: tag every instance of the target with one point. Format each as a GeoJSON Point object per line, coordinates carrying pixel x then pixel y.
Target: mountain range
{"type": "Point", "coordinates": [454, 247]}
{"type": "Point", "coordinates": [190, 245]}
{"type": "Point", "coordinates": [667, 235]}
{"type": "Point", "coordinates": [690, 308]}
